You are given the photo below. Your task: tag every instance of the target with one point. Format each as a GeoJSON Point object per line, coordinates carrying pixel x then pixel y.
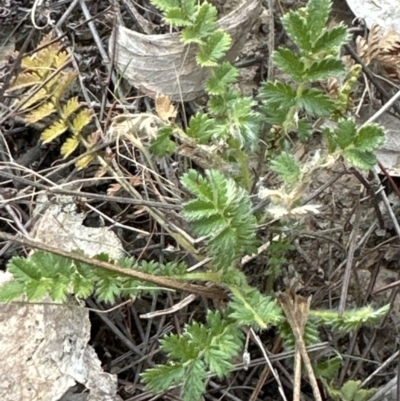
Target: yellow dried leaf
{"type": "Point", "coordinates": [40, 112]}
{"type": "Point", "coordinates": [71, 106]}
{"type": "Point", "coordinates": [101, 172]}
{"type": "Point", "coordinates": [31, 100]}
{"type": "Point", "coordinates": [55, 130]}
{"type": "Point", "coordinates": [46, 39]}
{"type": "Point", "coordinates": [85, 161]}
{"type": "Point", "coordinates": [64, 80]}
{"type": "Point", "coordinates": [69, 146]}
{"type": "Point", "coordinates": [29, 63]}
{"type": "Point", "coordinates": [24, 80]}
{"type": "Point", "coordinates": [164, 108]}
{"type": "Point", "coordinates": [61, 58]}
{"type": "Point", "coordinates": [81, 120]}
{"type": "Point", "coordinates": [44, 60]}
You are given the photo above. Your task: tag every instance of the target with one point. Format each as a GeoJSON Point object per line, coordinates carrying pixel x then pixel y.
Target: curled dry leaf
{"type": "Point", "coordinates": [164, 108]}
{"type": "Point", "coordinates": [162, 64]}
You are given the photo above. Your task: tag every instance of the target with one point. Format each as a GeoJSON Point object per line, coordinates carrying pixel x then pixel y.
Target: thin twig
{"type": "Point", "coordinates": [349, 263]}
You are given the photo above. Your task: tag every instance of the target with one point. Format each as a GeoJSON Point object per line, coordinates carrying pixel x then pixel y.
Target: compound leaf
{"type": "Point", "coordinates": [215, 47]}
{"type": "Point", "coordinates": [200, 127]}
{"type": "Point", "coordinates": [162, 377]}
{"type": "Point", "coordinates": [324, 69]}
{"type": "Point", "coordinates": [194, 383]}
{"type": "Point", "coordinates": [203, 26]}
{"type": "Point", "coordinates": [331, 39]}
{"type": "Point", "coordinates": [370, 137]}
{"type": "Point", "coordinates": [278, 93]}
{"type": "Point", "coordinates": [222, 76]}
{"type": "Point", "coordinates": [287, 168]}
{"type": "Point", "coordinates": [297, 29]}
{"type": "Point", "coordinates": [317, 16]}
{"type": "Point", "coordinates": [290, 63]}
{"type": "Point", "coordinates": [315, 102]}
{"type": "Point", "coordinates": [162, 145]}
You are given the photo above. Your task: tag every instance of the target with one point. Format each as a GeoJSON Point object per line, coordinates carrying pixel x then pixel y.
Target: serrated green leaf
{"type": "Point", "coordinates": [361, 159]}
{"type": "Point", "coordinates": [232, 226]}
{"type": "Point", "coordinates": [223, 75]}
{"type": "Point", "coordinates": [345, 133]}
{"type": "Point", "coordinates": [349, 390]}
{"type": "Point", "coordinates": [287, 168]}
{"type": "Point", "coordinates": [162, 145]}
{"type": "Point", "coordinates": [327, 369]}
{"type": "Point", "coordinates": [278, 93]}
{"type": "Point", "coordinates": [11, 290]}
{"type": "Point", "coordinates": [310, 335]}
{"type": "Point", "coordinates": [194, 383]}
{"type": "Point", "coordinates": [304, 129]}
{"type": "Point", "coordinates": [296, 27]}
{"type": "Point", "coordinates": [59, 289]}
{"type": "Point", "coordinates": [82, 286]}
{"type": "Point", "coordinates": [331, 39]}
{"type": "Point", "coordinates": [179, 348]}
{"type": "Point", "coordinates": [219, 104]}
{"type": "Point", "coordinates": [290, 63]}
{"type": "Point", "coordinates": [317, 16]}
{"type": "Point", "coordinates": [190, 7]}
{"type": "Point", "coordinates": [251, 308]}
{"type": "Point", "coordinates": [162, 377]}
{"type": "Point", "coordinates": [200, 127]}
{"type": "Point", "coordinates": [165, 5]}
{"type": "Point", "coordinates": [177, 17]}
{"type": "Point", "coordinates": [36, 290]}
{"type": "Point", "coordinates": [352, 319]}
{"type": "Point", "coordinates": [243, 122]}
{"type": "Point", "coordinates": [324, 69]}
{"type": "Point", "coordinates": [23, 270]}
{"type": "Point", "coordinates": [370, 137]}
{"type": "Point", "coordinates": [203, 26]}
{"type": "Point", "coordinates": [217, 361]}
{"type": "Point", "coordinates": [215, 47]}
{"type": "Point", "coordinates": [315, 102]}
{"type": "Point", "coordinates": [330, 137]}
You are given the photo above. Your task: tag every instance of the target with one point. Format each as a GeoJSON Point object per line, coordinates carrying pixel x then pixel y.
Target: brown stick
{"type": "Point", "coordinates": [214, 293]}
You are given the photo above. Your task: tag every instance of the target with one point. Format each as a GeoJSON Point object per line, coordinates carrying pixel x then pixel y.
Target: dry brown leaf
{"type": "Point", "coordinates": [101, 172]}
{"type": "Point", "coordinates": [93, 138]}
{"type": "Point", "coordinates": [164, 108]}
{"type": "Point", "coordinates": [113, 189]}
{"type": "Point", "coordinates": [369, 49]}
{"type": "Point", "coordinates": [135, 180]}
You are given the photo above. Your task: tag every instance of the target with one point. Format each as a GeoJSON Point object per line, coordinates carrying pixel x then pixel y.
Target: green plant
{"type": "Point", "coordinates": [221, 211]}
{"type": "Point", "coordinates": [230, 118]}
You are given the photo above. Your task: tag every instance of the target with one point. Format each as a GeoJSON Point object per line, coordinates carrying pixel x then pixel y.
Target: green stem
{"type": "Point", "coordinates": [213, 277]}
{"type": "Point", "coordinates": [292, 111]}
